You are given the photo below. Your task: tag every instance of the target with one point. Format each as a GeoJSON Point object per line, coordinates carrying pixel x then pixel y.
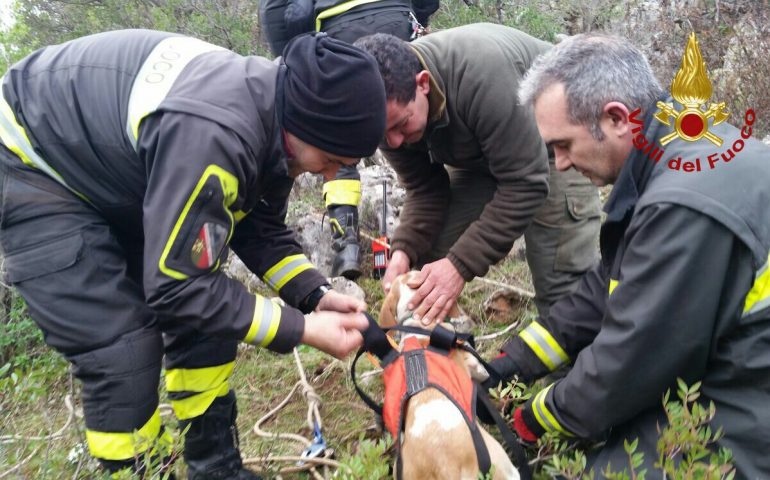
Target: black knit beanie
{"type": "Point", "coordinates": [331, 96]}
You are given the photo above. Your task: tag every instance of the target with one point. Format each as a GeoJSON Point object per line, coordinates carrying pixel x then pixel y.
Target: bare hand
{"type": "Point", "coordinates": [439, 284]}
{"type": "Point", "coordinates": [399, 264]}
{"type": "Point", "coordinates": [336, 302]}
{"type": "Point", "coordinates": [335, 333]}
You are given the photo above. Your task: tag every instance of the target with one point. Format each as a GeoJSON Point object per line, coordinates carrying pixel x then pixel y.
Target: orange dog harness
{"type": "Point", "coordinates": [416, 369]}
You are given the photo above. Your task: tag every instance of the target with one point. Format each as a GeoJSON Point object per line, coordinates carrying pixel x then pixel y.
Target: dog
{"type": "Point", "coordinates": [436, 440]}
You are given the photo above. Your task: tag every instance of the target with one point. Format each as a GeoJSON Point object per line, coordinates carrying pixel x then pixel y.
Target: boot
{"type": "Point", "coordinates": [344, 226]}
{"type": "Point", "coordinates": [211, 443]}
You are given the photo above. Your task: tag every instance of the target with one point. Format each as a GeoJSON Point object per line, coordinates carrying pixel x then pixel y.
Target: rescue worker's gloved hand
{"type": "Point", "coordinates": [525, 424]}
{"type": "Point", "coordinates": [503, 369]}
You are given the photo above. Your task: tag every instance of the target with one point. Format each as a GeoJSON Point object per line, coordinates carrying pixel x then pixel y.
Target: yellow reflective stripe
{"type": "Point", "coordinates": [336, 227]}
{"type": "Point", "coordinates": [198, 379]}
{"type": "Point", "coordinates": [267, 317]}
{"type": "Point", "coordinates": [156, 76]}
{"type": "Point", "coordinates": [15, 138]}
{"type": "Point", "coordinates": [544, 345]}
{"type": "Point", "coordinates": [229, 184]}
{"type": "Point", "coordinates": [758, 297]}
{"type": "Point", "coordinates": [284, 271]}
{"type": "Point", "coordinates": [122, 446]}
{"type": "Point", "coordinates": [342, 192]}
{"type": "Point", "coordinates": [336, 10]}
{"type": "Point", "coordinates": [208, 382]}
{"type": "Point", "coordinates": [195, 405]}
{"type": "Point", "coordinates": [544, 417]}
{"type": "Point", "coordinates": [240, 215]}
{"type": "Point", "coordinates": [613, 284]}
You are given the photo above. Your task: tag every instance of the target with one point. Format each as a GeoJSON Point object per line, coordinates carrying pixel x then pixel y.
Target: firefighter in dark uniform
{"type": "Point", "coordinates": [348, 21]}
{"type": "Point", "coordinates": [682, 288]}
{"type": "Point", "coordinates": [132, 161]}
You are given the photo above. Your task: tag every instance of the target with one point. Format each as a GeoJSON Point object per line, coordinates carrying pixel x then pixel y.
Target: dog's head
{"type": "Point", "coordinates": [395, 311]}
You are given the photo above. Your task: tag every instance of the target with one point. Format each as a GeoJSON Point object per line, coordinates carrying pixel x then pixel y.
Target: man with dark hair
{"type": "Point", "coordinates": [682, 288]}
{"type": "Point", "coordinates": [475, 169]}
{"type": "Point", "coordinates": [347, 21]}
{"type": "Point", "coordinates": [131, 162]}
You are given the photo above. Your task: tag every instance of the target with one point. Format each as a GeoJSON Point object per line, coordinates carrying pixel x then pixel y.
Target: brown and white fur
{"type": "Point", "coordinates": [437, 443]}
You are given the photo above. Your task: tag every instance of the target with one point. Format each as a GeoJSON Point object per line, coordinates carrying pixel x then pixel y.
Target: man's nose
{"type": "Point", "coordinates": [330, 172]}
{"type": "Point", "coordinates": [562, 161]}
{"type": "Point", "coordinates": [394, 139]}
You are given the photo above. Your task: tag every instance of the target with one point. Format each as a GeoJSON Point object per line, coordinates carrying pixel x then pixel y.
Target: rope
{"type": "Point", "coordinates": [53, 436]}
{"type": "Point", "coordinates": [313, 418]}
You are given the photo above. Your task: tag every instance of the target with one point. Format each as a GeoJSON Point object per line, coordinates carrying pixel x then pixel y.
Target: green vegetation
{"type": "Point", "coordinates": [35, 382]}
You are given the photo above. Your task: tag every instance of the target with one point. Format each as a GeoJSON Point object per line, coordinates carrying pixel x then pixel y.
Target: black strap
{"type": "Point", "coordinates": [366, 398]}
{"type": "Point", "coordinates": [375, 339]}
{"type": "Point", "coordinates": [513, 447]}
{"type": "Point", "coordinates": [482, 452]}
{"type": "Point", "coordinates": [443, 338]}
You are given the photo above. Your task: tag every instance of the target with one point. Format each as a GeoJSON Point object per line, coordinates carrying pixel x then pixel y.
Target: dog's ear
{"type": "Point", "coordinates": [389, 305]}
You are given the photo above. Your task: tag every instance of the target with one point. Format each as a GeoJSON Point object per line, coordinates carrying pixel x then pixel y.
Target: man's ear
{"type": "Point", "coordinates": [423, 82]}
{"type": "Point", "coordinates": [615, 116]}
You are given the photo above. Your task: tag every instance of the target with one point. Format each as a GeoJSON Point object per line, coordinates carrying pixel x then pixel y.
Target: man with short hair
{"type": "Point", "coordinates": [131, 162]}
{"type": "Point", "coordinates": [347, 21]}
{"type": "Point", "coordinates": [475, 169]}
{"type": "Point", "coordinates": [681, 290]}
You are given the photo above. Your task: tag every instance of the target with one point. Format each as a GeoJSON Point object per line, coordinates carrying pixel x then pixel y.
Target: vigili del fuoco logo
{"type": "Point", "coordinates": [691, 88]}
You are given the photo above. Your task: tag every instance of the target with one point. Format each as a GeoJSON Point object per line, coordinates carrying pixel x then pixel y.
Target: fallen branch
{"type": "Point", "coordinates": [517, 290]}
{"type": "Point", "coordinates": [497, 334]}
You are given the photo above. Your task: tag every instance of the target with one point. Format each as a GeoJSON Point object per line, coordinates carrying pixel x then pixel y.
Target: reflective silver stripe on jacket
{"type": "Point", "coordinates": [14, 137]}
{"type": "Point", "coordinates": [158, 73]}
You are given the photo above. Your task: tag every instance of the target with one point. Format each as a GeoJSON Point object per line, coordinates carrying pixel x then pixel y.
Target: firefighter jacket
{"type": "Point", "coordinates": [309, 15]}
{"type": "Point", "coordinates": [475, 122]}
{"type": "Point", "coordinates": [682, 291]}
{"type": "Point", "coordinates": [176, 143]}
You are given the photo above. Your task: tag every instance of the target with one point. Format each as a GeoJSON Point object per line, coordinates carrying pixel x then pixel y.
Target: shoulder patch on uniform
{"type": "Point", "coordinates": [208, 245]}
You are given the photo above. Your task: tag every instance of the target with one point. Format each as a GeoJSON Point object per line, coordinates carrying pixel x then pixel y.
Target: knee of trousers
{"type": "Point", "coordinates": [120, 394]}
{"type": "Point", "coordinates": [199, 376]}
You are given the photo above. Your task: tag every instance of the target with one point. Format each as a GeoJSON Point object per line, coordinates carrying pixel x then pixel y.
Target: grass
{"type": "Point", "coordinates": [36, 380]}
{"type": "Point", "coordinates": [32, 401]}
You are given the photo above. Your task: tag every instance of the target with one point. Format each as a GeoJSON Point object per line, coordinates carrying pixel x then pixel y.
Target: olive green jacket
{"type": "Point", "coordinates": [476, 123]}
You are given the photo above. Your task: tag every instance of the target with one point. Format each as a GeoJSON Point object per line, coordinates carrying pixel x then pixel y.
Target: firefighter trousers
{"type": "Point", "coordinates": [82, 281]}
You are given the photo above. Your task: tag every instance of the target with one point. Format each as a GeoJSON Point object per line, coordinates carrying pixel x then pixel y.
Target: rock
{"type": "Point", "coordinates": [313, 231]}
{"type": "Point", "coordinates": [236, 269]}
{"type": "Point", "coordinates": [347, 287]}
{"type": "Point", "coordinates": [519, 249]}
{"type": "Point", "coordinates": [314, 234]}
{"type": "Point", "coordinates": [372, 179]}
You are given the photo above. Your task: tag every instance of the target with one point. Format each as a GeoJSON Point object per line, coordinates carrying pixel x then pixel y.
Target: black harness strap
{"type": "Point", "coordinates": [376, 342]}
{"type": "Point", "coordinates": [513, 447]}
